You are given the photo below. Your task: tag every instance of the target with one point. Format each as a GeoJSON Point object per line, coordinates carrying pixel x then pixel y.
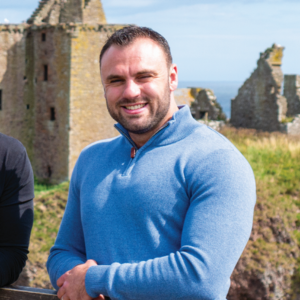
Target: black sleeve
{"type": "Point", "coordinates": [16, 212]}
{"type": "Point", "coordinates": [15, 223]}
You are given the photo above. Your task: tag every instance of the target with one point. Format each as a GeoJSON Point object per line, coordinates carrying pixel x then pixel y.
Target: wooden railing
{"type": "Point", "coordinates": [26, 293]}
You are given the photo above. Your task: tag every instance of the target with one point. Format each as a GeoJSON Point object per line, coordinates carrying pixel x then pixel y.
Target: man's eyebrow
{"type": "Point", "coordinates": [113, 76]}
{"type": "Point", "coordinates": [143, 72]}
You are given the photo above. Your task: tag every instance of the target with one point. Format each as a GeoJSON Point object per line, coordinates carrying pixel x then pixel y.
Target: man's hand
{"type": "Point", "coordinates": [72, 283]}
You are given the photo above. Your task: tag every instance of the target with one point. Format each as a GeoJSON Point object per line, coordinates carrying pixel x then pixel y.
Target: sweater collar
{"type": "Point", "coordinates": [178, 127]}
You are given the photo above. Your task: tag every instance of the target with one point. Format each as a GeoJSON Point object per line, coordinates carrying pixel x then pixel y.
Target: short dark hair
{"type": "Point", "coordinates": [127, 35]}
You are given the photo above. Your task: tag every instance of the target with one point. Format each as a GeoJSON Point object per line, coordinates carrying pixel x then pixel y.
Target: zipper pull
{"type": "Point", "coordinates": [132, 154]}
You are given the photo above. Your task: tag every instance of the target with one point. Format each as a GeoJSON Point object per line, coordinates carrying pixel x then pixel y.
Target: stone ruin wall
{"type": "Point", "coordinates": [203, 105]}
{"type": "Point", "coordinates": [292, 94]}
{"type": "Point", "coordinates": [202, 102]}
{"type": "Point", "coordinates": [93, 12]}
{"type": "Point", "coordinates": [206, 106]}
{"type": "Point", "coordinates": [259, 103]}
{"type": "Point", "coordinates": [12, 83]}
{"type": "Point", "coordinates": [72, 94]}
{"type": "Point", "coordinates": [89, 118]}
{"type": "Point", "coordinates": [185, 96]}
{"type": "Point", "coordinates": [73, 89]}
{"type": "Point", "coordinates": [68, 11]}
{"type": "Point", "coordinates": [293, 127]}
{"type": "Point", "coordinates": [27, 98]}
{"type": "Point", "coordinates": [49, 99]}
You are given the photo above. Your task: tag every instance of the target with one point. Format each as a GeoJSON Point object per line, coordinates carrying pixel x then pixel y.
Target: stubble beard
{"type": "Point", "coordinates": [152, 121]}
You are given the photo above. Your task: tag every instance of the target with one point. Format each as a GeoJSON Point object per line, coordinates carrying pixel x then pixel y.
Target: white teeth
{"type": "Point", "coordinates": [135, 106]}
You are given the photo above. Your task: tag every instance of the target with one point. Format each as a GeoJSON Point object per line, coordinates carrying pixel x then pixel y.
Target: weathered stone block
{"type": "Point", "coordinates": [186, 96]}
{"type": "Point", "coordinates": [292, 128]}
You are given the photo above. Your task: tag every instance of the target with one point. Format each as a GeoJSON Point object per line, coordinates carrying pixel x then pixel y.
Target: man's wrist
{"type": "Point", "coordinates": [95, 281]}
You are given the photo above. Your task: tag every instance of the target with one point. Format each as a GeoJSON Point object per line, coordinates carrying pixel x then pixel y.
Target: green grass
{"type": "Point", "coordinates": [40, 187]}
{"type": "Point", "coordinates": [49, 206]}
{"type": "Point", "coordinates": [273, 157]}
{"type": "Point", "coordinates": [275, 239]}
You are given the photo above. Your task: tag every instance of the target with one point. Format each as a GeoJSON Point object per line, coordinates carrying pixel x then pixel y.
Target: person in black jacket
{"type": "Point", "coordinates": [16, 208]}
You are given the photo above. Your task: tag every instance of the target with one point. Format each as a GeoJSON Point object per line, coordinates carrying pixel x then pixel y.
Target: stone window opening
{"type": "Point", "coordinates": [49, 171]}
{"type": "Point", "coordinates": [0, 99]}
{"type": "Point", "coordinates": [52, 114]}
{"type": "Point", "coordinates": [27, 106]}
{"type": "Point", "coordinates": [203, 114]}
{"type": "Point", "coordinates": [45, 72]}
{"type": "Point", "coordinates": [43, 37]}
{"type": "Point", "coordinates": [86, 2]}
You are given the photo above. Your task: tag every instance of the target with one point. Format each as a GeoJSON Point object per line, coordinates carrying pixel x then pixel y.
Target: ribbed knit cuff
{"type": "Point", "coordinates": [55, 273]}
{"type": "Point", "coordinates": [95, 281]}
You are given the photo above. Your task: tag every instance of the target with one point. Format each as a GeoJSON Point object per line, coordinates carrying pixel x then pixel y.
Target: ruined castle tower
{"type": "Point", "coordinates": [259, 103]}
{"type": "Point", "coordinates": [292, 94]}
{"type": "Point", "coordinates": [68, 11]}
{"type": "Point", "coordinates": [51, 96]}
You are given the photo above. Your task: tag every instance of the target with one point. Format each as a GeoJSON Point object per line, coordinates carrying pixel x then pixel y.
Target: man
{"type": "Point", "coordinates": [16, 208]}
{"type": "Point", "coordinates": [164, 210]}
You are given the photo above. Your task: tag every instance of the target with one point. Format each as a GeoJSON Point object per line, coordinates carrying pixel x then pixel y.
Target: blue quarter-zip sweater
{"type": "Point", "coordinates": [170, 223]}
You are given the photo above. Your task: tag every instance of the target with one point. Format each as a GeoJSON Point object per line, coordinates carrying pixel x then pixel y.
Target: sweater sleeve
{"type": "Point", "coordinates": [68, 252]}
{"type": "Point", "coordinates": [216, 229]}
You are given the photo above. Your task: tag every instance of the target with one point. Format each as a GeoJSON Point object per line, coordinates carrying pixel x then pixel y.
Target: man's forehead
{"type": "Point", "coordinates": [142, 47]}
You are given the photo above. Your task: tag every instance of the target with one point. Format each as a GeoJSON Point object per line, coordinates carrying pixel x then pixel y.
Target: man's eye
{"type": "Point", "coordinates": [145, 76]}
{"type": "Point", "coordinates": [115, 80]}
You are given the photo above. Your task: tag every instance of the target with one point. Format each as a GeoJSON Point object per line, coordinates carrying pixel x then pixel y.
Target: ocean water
{"type": "Point", "coordinates": [223, 90]}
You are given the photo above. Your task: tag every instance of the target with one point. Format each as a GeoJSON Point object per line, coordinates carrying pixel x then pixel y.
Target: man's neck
{"type": "Point", "coordinates": [141, 139]}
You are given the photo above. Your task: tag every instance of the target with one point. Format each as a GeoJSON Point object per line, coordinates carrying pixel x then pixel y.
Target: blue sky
{"type": "Point", "coordinates": [211, 40]}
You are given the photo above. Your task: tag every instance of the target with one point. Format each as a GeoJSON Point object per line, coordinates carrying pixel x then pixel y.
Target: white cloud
{"type": "Point", "coordinates": [15, 16]}
{"type": "Point", "coordinates": [6, 20]}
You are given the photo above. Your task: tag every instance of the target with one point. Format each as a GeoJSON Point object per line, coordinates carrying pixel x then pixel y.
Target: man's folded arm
{"type": "Point", "coordinates": [64, 256]}
{"type": "Point", "coordinates": [216, 229]}
{"type": "Point", "coordinates": [61, 260]}
{"type": "Point", "coordinates": [69, 250]}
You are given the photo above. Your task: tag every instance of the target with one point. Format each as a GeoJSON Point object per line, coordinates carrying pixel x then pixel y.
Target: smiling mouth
{"type": "Point", "coordinates": [133, 107]}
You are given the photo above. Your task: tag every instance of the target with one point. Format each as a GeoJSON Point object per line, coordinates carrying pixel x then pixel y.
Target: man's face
{"type": "Point", "coordinates": [136, 82]}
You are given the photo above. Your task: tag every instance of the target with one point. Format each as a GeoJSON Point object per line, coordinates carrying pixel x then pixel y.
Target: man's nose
{"type": "Point", "coordinates": [131, 90]}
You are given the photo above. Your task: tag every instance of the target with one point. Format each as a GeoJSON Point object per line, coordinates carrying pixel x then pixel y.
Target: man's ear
{"type": "Point", "coordinates": [173, 78]}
